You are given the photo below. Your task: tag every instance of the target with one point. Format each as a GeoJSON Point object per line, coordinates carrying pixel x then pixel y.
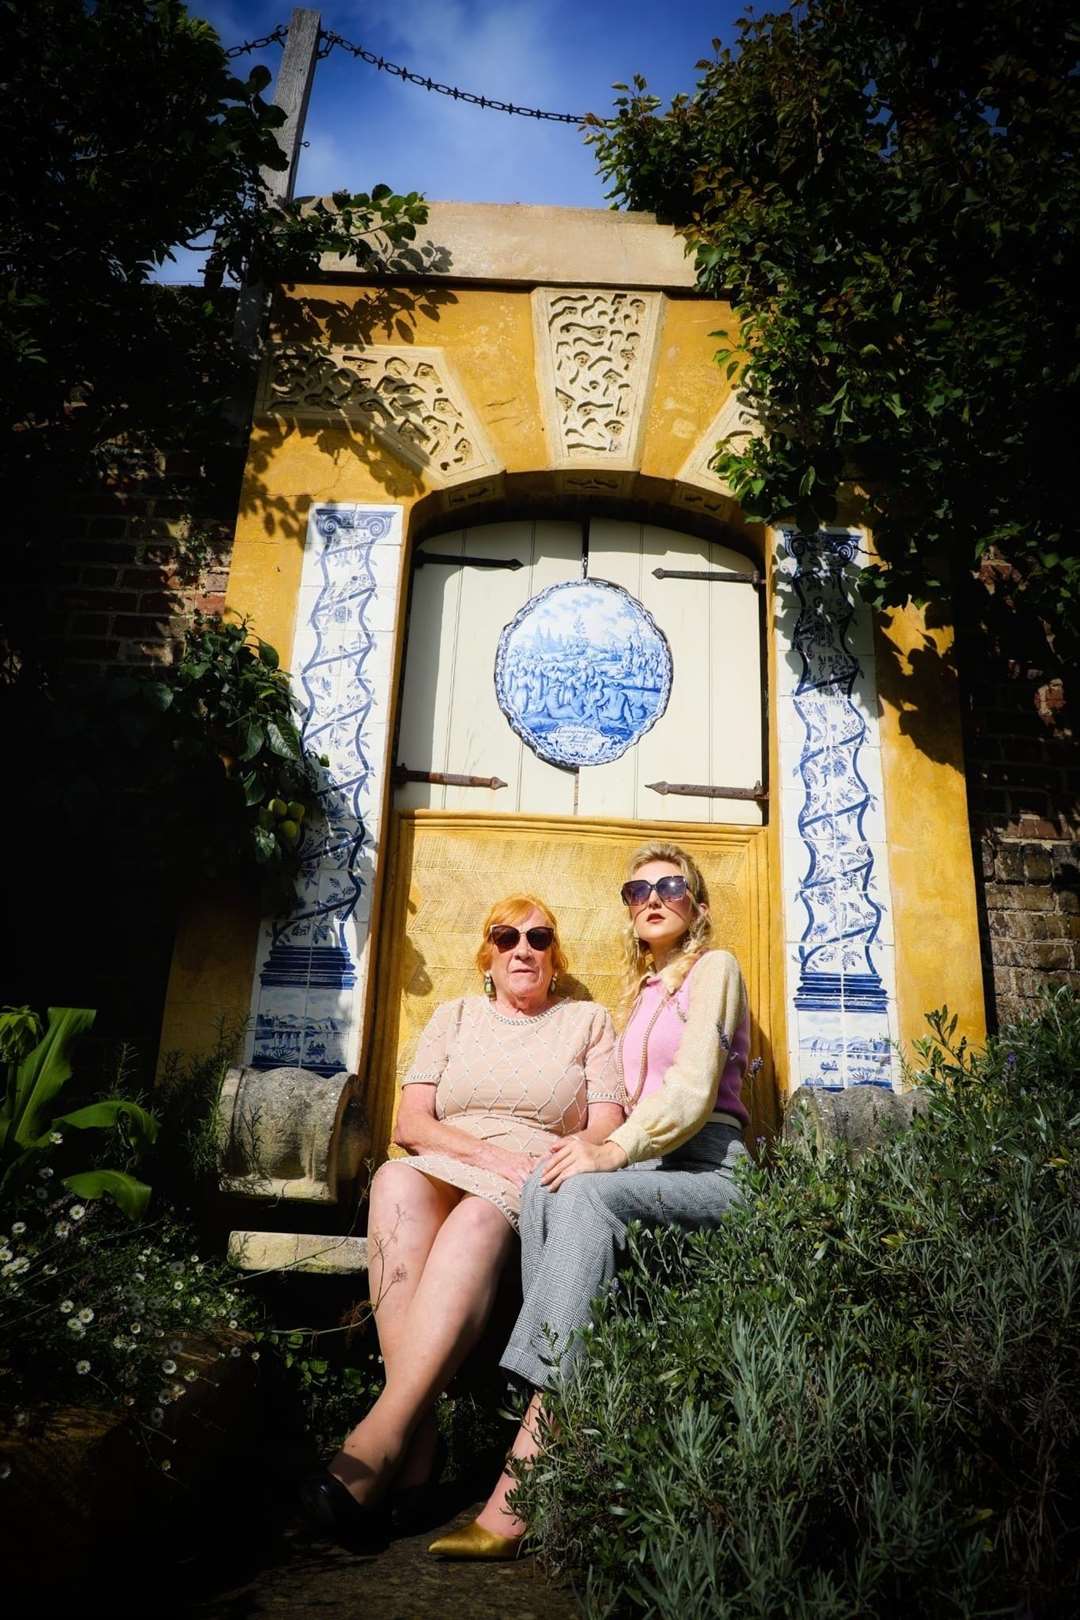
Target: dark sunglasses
{"type": "Point", "coordinates": [637, 891]}
{"type": "Point", "coordinates": [504, 937]}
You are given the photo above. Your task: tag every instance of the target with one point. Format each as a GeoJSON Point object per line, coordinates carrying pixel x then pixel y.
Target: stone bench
{"type": "Point", "coordinates": [300, 1137]}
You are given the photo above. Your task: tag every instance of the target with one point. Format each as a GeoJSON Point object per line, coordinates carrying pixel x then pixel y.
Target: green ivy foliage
{"type": "Point", "coordinates": [861, 1396]}
{"type": "Point", "coordinates": [126, 135]}
{"type": "Point", "coordinates": [173, 776]}
{"type": "Point", "coordinates": [890, 198]}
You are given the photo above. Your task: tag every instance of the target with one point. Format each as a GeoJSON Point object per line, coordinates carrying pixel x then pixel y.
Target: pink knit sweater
{"type": "Point", "coordinates": [698, 1043]}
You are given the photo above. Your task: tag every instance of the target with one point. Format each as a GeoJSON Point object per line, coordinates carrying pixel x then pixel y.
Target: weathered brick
{"type": "Point", "coordinates": [1010, 863]}
{"type": "Point", "coordinates": [152, 578]}
{"type": "Point", "coordinates": [103, 551]}
{"type": "Point", "coordinates": [108, 528]}
{"type": "Point", "coordinates": [1049, 954]}
{"type": "Point", "coordinates": [1002, 897]}
{"type": "Point", "coordinates": [167, 602]}
{"type": "Point", "coordinates": [91, 650]}
{"type": "Point", "coordinates": [146, 627]}
{"type": "Point", "coordinates": [102, 601]}
{"type": "Point", "coordinates": [161, 554]}
{"type": "Point", "coordinates": [1061, 924]}
{"type": "Point", "coordinates": [1019, 924]}
{"type": "Point", "coordinates": [89, 624]}
{"type": "Point", "coordinates": [99, 578]}
{"type": "Point", "coordinates": [148, 652]}
{"type": "Point", "coordinates": [1038, 863]}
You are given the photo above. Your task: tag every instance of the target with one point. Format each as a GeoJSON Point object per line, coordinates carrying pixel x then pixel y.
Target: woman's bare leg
{"type": "Point", "coordinates": [495, 1515]}
{"type": "Point", "coordinates": [432, 1335]}
{"type": "Point", "coordinates": [406, 1210]}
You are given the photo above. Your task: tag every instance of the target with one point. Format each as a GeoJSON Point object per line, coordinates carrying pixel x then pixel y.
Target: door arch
{"type": "Point", "coordinates": [476, 812]}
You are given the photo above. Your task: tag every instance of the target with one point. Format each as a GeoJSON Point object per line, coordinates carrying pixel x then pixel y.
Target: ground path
{"type": "Point", "coordinates": [296, 1578]}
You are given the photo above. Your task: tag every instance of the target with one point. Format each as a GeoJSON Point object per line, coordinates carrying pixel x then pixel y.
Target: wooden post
{"type": "Point", "coordinates": [292, 92]}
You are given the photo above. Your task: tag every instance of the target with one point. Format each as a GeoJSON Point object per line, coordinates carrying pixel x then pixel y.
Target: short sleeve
{"type": "Point", "coordinates": [433, 1047]}
{"type": "Point", "coordinates": [603, 1078]}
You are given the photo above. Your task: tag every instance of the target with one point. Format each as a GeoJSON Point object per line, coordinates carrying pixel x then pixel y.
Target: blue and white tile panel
{"type": "Point", "coordinates": [311, 967]}
{"type": "Point", "coordinates": [841, 996]}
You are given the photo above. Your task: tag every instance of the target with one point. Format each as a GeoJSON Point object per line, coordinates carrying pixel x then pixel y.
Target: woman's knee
{"type": "Point", "coordinates": [478, 1221]}
{"type": "Point", "coordinates": [396, 1189]}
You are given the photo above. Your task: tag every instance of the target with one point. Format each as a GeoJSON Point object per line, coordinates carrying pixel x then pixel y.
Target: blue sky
{"type": "Point", "coordinates": [563, 55]}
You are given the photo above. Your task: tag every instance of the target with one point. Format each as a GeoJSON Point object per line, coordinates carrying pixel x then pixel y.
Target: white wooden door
{"type": "Point", "coordinates": [710, 733]}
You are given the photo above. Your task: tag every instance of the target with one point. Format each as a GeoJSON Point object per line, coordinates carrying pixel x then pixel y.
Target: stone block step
{"type": "Point", "coordinates": [314, 1252]}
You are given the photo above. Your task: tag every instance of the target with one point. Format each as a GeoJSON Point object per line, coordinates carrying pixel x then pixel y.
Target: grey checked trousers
{"type": "Point", "coordinates": [571, 1240]}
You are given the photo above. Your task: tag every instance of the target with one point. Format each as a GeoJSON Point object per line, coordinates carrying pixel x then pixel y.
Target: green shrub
{"type": "Point", "coordinates": [106, 1312]}
{"type": "Point", "coordinates": [861, 1397]}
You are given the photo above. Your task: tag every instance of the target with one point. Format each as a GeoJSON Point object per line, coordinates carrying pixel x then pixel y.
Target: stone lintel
{"type": "Point", "coordinates": [541, 245]}
{"type": "Point", "coordinates": [311, 1252]}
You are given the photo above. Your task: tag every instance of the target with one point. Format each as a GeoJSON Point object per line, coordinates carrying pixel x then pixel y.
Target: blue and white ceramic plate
{"type": "Point", "coordinates": [581, 672]}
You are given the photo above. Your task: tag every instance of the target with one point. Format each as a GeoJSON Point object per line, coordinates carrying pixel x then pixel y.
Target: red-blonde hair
{"type": "Point", "coordinates": [514, 908]}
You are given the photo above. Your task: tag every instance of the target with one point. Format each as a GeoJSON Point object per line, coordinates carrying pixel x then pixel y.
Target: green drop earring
{"type": "Point", "coordinates": [489, 985]}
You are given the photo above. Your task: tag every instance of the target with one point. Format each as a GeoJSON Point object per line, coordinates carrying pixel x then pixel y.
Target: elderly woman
{"type": "Point", "coordinates": [682, 1055]}
{"type": "Point", "coordinates": [497, 1080]}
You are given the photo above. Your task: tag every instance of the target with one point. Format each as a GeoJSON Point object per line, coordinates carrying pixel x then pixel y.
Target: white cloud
{"type": "Point", "coordinates": [416, 140]}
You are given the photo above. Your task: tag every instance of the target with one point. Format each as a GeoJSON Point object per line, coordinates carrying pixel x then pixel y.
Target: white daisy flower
{"type": "Point", "coordinates": [86, 1315]}
{"type": "Point", "coordinates": [61, 1229]}
{"type": "Point", "coordinates": [82, 1367]}
{"type": "Point", "coordinates": [18, 1228]}
{"type": "Point", "coordinates": [66, 1307]}
{"type": "Point", "coordinates": [77, 1211]}
{"type": "Point", "coordinates": [168, 1366]}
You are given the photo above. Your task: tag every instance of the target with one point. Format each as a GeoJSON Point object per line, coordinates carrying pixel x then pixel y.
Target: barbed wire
{"type": "Point", "coordinates": [278, 37]}
{"type": "Point", "coordinates": [328, 41]}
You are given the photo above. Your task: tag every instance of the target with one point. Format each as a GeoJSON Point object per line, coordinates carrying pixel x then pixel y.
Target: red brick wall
{"type": "Point", "coordinates": [133, 566]}
{"type": "Point", "coordinates": [1023, 777]}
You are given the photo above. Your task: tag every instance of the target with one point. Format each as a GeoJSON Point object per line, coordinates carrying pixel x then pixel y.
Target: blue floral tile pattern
{"type": "Point", "coordinates": [581, 672]}
{"type": "Point", "coordinates": [841, 1010]}
{"type": "Point", "coordinates": [308, 988]}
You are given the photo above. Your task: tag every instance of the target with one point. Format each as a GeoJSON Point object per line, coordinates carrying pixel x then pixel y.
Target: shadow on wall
{"type": "Point", "coordinates": [319, 399]}
{"type": "Point", "coordinates": [922, 683]}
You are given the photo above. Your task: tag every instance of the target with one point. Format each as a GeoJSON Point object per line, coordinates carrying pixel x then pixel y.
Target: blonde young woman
{"type": "Point", "coordinates": [496, 1081]}
{"type": "Point", "coordinates": [683, 1053]}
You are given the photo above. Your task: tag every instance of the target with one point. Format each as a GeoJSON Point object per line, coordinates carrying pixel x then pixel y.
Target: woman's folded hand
{"type": "Point", "coordinates": [516, 1167]}
{"type": "Point", "coordinates": [574, 1155]}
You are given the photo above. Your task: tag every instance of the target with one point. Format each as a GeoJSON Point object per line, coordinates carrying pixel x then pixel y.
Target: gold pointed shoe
{"type": "Point", "coordinates": [473, 1541]}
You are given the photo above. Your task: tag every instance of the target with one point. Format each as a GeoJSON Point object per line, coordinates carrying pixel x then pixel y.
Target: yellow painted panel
{"type": "Point", "coordinates": [931, 868]}
{"type": "Point", "coordinates": [689, 387]}
{"type": "Point", "coordinates": [446, 870]}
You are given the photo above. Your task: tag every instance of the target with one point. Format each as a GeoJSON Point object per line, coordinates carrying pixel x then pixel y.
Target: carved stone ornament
{"type": "Point", "coordinates": [411, 399]}
{"type": "Point", "coordinates": [733, 423]}
{"type": "Point", "coordinates": [595, 350]}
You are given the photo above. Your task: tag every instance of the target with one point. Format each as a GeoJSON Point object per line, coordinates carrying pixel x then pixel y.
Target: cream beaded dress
{"type": "Point", "coordinates": [520, 1083]}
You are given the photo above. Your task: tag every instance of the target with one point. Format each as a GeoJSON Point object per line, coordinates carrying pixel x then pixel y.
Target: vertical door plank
{"type": "Point", "coordinates": [429, 676]}
{"type": "Point", "coordinates": [543, 789]}
{"type": "Point", "coordinates": [615, 553]}
{"type": "Point", "coordinates": [481, 742]}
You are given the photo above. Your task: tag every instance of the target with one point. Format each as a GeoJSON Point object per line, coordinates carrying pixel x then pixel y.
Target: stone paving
{"type": "Point", "coordinates": [290, 1575]}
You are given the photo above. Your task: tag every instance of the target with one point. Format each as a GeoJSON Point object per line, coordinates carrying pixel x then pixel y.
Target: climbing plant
{"type": "Point", "coordinates": [890, 197]}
